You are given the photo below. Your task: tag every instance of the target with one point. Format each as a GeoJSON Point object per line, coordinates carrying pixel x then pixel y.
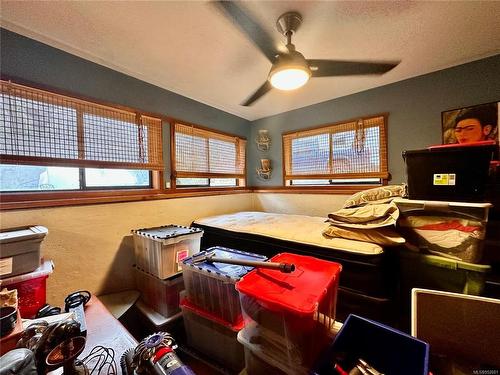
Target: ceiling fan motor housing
{"type": "Point", "coordinates": [288, 23]}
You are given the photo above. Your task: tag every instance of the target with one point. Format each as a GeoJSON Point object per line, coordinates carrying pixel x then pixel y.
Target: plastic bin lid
{"type": "Point", "coordinates": [167, 231]}
{"type": "Point", "coordinates": [44, 270]}
{"type": "Point", "coordinates": [22, 234]}
{"type": "Point", "coordinates": [298, 292]}
{"type": "Point", "coordinates": [223, 269]}
{"type": "Point", "coordinates": [462, 145]}
{"type": "Point", "coordinates": [185, 303]}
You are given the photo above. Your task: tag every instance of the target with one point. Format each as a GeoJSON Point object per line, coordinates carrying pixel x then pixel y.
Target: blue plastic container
{"type": "Point", "coordinates": [210, 286]}
{"type": "Point", "coordinates": [388, 350]}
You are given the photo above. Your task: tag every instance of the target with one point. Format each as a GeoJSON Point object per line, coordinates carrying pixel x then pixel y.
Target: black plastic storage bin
{"type": "Point", "coordinates": [454, 173]}
{"type": "Point", "coordinates": [386, 349]}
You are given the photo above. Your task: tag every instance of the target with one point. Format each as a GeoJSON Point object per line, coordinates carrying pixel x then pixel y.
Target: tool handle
{"type": "Point", "coordinates": [283, 267]}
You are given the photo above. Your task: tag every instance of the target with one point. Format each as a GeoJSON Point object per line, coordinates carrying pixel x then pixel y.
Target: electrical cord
{"type": "Point", "coordinates": [47, 310]}
{"type": "Point", "coordinates": [101, 359]}
{"type": "Point", "coordinates": [76, 298]}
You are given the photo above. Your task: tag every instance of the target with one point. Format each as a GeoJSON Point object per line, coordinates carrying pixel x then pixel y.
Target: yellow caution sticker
{"type": "Point", "coordinates": [444, 179]}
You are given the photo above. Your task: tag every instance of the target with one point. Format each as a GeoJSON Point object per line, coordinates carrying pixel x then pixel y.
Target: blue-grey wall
{"type": "Point", "coordinates": [414, 108]}
{"type": "Point", "coordinates": [41, 64]}
{"type": "Point", "coordinates": [414, 105]}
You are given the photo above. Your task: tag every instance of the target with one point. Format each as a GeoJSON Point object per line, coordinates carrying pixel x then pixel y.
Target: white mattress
{"type": "Point", "coordinates": [295, 228]}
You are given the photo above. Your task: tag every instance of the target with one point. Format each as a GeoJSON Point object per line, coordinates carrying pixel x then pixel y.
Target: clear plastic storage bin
{"type": "Point", "coordinates": [161, 295]}
{"type": "Point", "coordinates": [452, 229]}
{"type": "Point", "coordinates": [293, 312]}
{"type": "Point", "coordinates": [435, 272]}
{"type": "Point", "coordinates": [31, 289]}
{"type": "Point", "coordinates": [210, 286]}
{"type": "Point", "coordinates": [257, 362]}
{"type": "Point", "coordinates": [161, 250]}
{"type": "Point", "coordinates": [20, 250]}
{"type": "Point", "coordinates": [213, 337]}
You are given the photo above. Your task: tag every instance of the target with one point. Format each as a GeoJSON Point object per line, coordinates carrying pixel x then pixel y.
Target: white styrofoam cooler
{"type": "Point", "coordinates": [161, 250]}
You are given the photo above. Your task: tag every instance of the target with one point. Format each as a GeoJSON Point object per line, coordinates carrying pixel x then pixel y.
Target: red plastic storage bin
{"type": "Point", "coordinates": [31, 289]}
{"type": "Point", "coordinates": [294, 311]}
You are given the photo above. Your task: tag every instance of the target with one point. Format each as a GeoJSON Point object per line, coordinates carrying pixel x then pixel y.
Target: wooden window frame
{"type": "Point", "coordinates": [49, 198]}
{"type": "Point", "coordinates": [173, 172]}
{"type": "Point", "coordinates": [384, 176]}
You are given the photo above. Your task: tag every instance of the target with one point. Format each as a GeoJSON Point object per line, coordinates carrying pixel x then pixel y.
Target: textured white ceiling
{"type": "Point", "coordinates": [188, 47]}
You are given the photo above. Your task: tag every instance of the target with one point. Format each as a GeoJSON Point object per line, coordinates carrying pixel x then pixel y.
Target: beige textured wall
{"type": "Point", "coordinates": [91, 245]}
{"type": "Point", "coordinates": [301, 204]}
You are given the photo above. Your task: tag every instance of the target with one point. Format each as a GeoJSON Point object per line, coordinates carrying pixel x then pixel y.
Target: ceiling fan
{"type": "Point", "coordinates": [290, 69]}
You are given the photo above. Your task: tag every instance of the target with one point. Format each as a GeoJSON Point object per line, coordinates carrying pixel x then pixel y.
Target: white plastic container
{"type": "Point", "coordinates": [161, 250]}
{"type": "Point", "coordinates": [20, 250]}
{"type": "Point", "coordinates": [451, 229]}
{"type": "Point", "coordinates": [213, 337]}
{"type": "Point", "coordinates": [161, 295]}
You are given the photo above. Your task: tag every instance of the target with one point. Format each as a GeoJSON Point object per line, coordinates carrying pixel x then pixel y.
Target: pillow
{"type": "Point", "coordinates": [380, 194]}
{"type": "Point", "coordinates": [380, 236]}
{"type": "Point", "coordinates": [367, 217]}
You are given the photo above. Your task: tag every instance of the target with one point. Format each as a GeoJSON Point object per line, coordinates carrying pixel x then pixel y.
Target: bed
{"type": "Point", "coordinates": [368, 278]}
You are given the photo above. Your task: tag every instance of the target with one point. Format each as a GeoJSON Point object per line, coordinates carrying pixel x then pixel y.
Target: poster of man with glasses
{"type": "Point", "coordinates": [471, 124]}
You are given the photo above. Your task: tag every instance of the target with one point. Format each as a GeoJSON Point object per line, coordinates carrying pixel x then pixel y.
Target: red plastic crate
{"type": "Point", "coordinates": [291, 314]}
{"type": "Point", "coordinates": [31, 289]}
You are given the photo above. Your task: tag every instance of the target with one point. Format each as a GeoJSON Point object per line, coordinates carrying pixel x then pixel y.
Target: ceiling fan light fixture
{"type": "Point", "coordinates": [289, 78]}
{"type": "Point", "coordinates": [290, 71]}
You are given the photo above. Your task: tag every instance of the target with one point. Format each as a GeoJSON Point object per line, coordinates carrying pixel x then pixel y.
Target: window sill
{"type": "Point", "coordinates": [15, 201]}
{"type": "Point", "coordinates": [339, 189]}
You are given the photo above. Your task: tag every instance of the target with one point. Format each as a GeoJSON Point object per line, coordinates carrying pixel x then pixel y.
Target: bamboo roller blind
{"type": "Point", "coordinates": [202, 153]}
{"type": "Point", "coordinates": [39, 127]}
{"type": "Point", "coordinates": [355, 149]}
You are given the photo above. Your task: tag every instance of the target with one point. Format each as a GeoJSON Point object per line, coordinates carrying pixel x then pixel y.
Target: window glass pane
{"type": "Point", "coordinates": [337, 181]}
{"type": "Point", "coordinates": [37, 128]}
{"type": "Point", "coordinates": [356, 153]}
{"type": "Point", "coordinates": [311, 154]}
{"type": "Point", "coordinates": [310, 182]}
{"type": "Point", "coordinates": [191, 153]}
{"type": "Point", "coordinates": [222, 182]}
{"type": "Point", "coordinates": [222, 155]}
{"type": "Point", "coordinates": [95, 177]}
{"type": "Point", "coordinates": [114, 139]}
{"type": "Point", "coordinates": [192, 182]}
{"type": "Point", "coordinates": [38, 178]}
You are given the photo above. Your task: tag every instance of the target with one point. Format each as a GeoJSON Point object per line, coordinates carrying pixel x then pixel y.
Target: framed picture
{"type": "Point", "coordinates": [471, 124]}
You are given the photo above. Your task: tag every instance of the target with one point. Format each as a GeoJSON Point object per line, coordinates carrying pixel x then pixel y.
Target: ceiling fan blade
{"type": "Point", "coordinates": [264, 41]}
{"type": "Point", "coordinates": [328, 68]}
{"type": "Point", "coordinates": [257, 94]}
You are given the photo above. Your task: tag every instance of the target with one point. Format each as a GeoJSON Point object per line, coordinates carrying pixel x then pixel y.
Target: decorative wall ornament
{"type": "Point", "coordinates": [263, 140]}
{"type": "Point", "coordinates": [264, 172]}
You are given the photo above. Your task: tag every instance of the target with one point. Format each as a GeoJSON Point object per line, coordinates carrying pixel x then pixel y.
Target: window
{"type": "Point", "coordinates": [347, 153]}
{"type": "Point", "coordinates": [26, 178]}
{"type": "Point", "coordinates": [205, 158]}
{"type": "Point", "coordinates": [54, 142]}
